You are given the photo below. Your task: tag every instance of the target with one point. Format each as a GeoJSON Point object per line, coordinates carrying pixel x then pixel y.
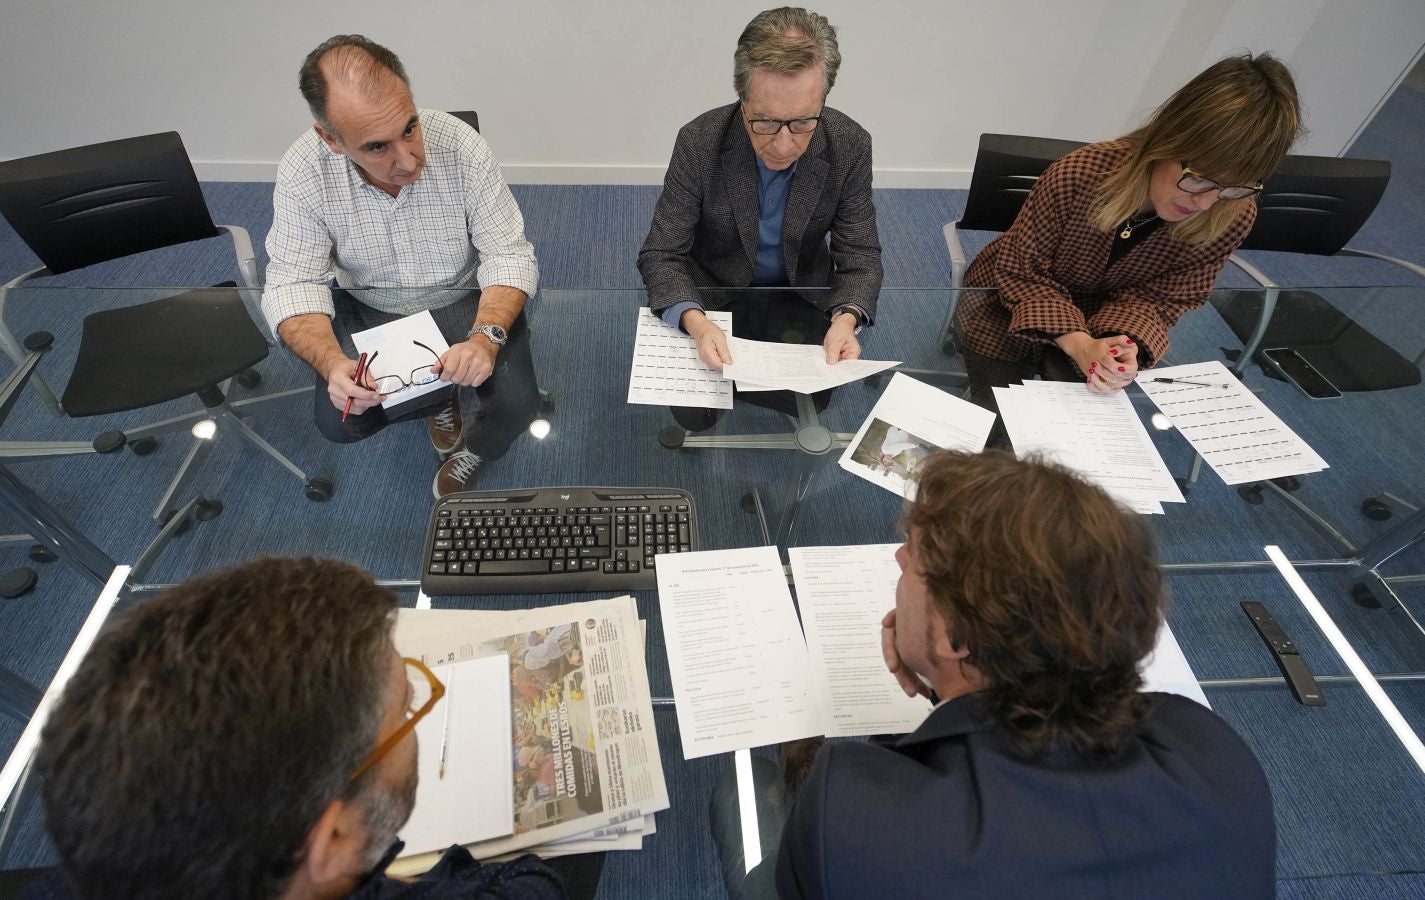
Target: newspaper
{"type": "Point", "coordinates": [585, 764]}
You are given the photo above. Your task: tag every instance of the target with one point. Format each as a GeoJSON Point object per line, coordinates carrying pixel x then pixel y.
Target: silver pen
{"type": "Point", "coordinates": [1190, 381]}
{"type": "Point", "coordinates": [445, 724]}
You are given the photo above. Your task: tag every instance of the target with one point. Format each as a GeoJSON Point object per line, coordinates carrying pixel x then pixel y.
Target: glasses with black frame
{"type": "Point", "coordinates": [386, 385]}
{"type": "Point", "coordinates": [1193, 183]}
{"type": "Point", "coordinates": [426, 691]}
{"type": "Point", "coordinates": [769, 127]}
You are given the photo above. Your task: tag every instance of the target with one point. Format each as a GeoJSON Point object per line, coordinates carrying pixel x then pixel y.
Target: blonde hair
{"type": "Point", "coordinates": [1233, 123]}
{"type": "Point", "coordinates": [786, 40]}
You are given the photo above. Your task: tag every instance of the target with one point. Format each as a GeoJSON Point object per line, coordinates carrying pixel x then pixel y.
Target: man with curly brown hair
{"type": "Point", "coordinates": [1027, 601]}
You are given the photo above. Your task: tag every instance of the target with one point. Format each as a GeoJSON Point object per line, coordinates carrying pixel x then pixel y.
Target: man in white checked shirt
{"type": "Point", "coordinates": [380, 195]}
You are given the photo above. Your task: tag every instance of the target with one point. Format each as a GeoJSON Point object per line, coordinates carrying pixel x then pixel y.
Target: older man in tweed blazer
{"type": "Point", "coordinates": [754, 189]}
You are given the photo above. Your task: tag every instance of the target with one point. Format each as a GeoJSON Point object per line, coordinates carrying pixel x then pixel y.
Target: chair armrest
{"type": "Point", "coordinates": [33, 273]}
{"type": "Point", "coordinates": [957, 254]}
{"type": "Point", "coordinates": [246, 258]}
{"type": "Point", "coordinates": [1252, 271]}
{"type": "Point", "coordinates": [1407, 266]}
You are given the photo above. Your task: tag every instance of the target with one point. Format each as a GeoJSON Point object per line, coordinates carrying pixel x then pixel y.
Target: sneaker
{"type": "Point", "coordinates": [446, 427]}
{"type": "Point", "coordinates": [456, 474]}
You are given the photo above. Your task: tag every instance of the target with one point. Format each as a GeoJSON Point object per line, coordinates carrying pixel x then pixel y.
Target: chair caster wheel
{"type": "Point", "coordinates": [1376, 510]}
{"type": "Point", "coordinates": [1288, 483]}
{"type": "Point", "coordinates": [1252, 493]}
{"type": "Point", "coordinates": [748, 504]}
{"type": "Point", "coordinates": [1361, 596]}
{"type": "Point", "coordinates": [18, 583]}
{"type": "Point", "coordinates": [208, 510]}
{"type": "Point", "coordinates": [143, 446]}
{"type": "Point", "coordinates": [110, 442]}
{"type": "Point", "coordinates": [183, 526]}
{"type": "Point", "coordinates": [248, 378]}
{"type": "Point", "coordinates": [672, 437]}
{"type": "Point", "coordinates": [42, 554]}
{"type": "Point", "coordinates": [319, 489]}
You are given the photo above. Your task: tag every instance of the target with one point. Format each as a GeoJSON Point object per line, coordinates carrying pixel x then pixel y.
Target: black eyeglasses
{"type": "Point", "coordinates": [769, 127]}
{"type": "Point", "coordinates": [391, 384]}
{"type": "Point", "coordinates": [1194, 183]}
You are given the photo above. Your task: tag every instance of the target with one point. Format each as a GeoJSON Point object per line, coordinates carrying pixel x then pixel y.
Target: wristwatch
{"type": "Point", "coordinates": [855, 314]}
{"type": "Point", "coordinates": [495, 333]}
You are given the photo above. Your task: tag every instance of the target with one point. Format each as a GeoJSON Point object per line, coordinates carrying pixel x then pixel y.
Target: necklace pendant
{"type": "Point", "coordinates": [1127, 232]}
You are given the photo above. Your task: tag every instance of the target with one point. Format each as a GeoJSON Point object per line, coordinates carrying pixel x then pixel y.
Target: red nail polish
{"type": "Point", "coordinates": [1092, 366]}
{"type": "Point", "coordinates": [1128, 340]}
{"type": "Point", "coordinates": [1113, 350]}
{"type": "Point", "coordinates": [1122, 369]}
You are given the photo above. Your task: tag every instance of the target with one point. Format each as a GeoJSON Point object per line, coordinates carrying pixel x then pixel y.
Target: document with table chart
{"type": "Point", "coordinates": [666, 369]}
{"type": "Point", "coordinates": [1100, 436]}
{"type": "Point", "coordinates": [735, 651]}
{"type": "Point", "coordinates": [843, 592]}
{"type": "Point", "coordinates": [1229, 426]}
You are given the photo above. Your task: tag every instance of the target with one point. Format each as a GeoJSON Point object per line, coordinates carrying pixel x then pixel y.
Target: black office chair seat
{"type": "Point", "coordinates": [1348, 355]}
{"type": "Point", "coordinates": [148, 354]}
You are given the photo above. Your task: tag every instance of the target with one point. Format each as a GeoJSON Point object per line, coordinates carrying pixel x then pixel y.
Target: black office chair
{"type": "Point", "coordinates": [1006, 169]}
{"type": "Point", "coordinates": [1315, 205]}
{"type": "Point", "coordinates": [78, 207]}
{"type": "Point", "coordinates": [467, 116]}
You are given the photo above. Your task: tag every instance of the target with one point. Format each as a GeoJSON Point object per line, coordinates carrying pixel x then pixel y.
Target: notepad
{"type": "Point", "coordinates": [401, 354]}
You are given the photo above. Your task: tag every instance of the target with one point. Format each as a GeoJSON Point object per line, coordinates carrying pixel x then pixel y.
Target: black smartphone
{"type": "Point", "coordinates": [1299, 371]}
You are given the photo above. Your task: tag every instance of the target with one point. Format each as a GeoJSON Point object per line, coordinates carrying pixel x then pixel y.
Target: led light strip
{"type": "Point", "coordinates": [747, 809]}
{"type": "Point", "coordinates": [1387, 709]}
{"type": "Point", "coordinates": [30, 738]}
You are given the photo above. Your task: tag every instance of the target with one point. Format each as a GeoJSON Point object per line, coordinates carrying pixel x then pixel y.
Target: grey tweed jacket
{"type": "Point", "coordinates": [704, 231]}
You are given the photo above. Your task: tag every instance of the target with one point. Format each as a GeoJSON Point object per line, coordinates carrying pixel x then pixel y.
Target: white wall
{"type": "Point", "coordinates": [594, 92]}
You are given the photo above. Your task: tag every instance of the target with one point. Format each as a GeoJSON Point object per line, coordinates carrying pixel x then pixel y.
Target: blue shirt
{"type": "Point", "coordinates": [773, 188]}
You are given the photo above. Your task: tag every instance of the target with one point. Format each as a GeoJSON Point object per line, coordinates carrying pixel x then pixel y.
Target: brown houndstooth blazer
{"type": "Point", "coordinates": [1051, 269]}
{"type": "Point", "coordinates": [704, 231]}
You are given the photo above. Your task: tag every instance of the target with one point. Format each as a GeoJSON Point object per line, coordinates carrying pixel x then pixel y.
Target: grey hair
{"type": "Point", "coordinates": [786, 40]}
{"type": "Point", "coordinates": [362, 62]}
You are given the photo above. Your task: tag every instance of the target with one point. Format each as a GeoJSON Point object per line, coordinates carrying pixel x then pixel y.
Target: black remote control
{"type": "Point", "coordinates": [1298, 676]}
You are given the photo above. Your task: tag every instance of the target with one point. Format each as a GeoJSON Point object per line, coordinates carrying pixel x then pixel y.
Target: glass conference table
{"type": "Point", "coordinates": [1348, 795]}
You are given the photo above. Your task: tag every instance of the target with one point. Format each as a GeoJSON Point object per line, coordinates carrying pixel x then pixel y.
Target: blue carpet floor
{"type": "Point", "coordinates": [1350, 805]}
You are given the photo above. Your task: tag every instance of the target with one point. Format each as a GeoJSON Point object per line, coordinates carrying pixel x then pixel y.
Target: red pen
{"type": "Point", "coordinates": [360, 370]}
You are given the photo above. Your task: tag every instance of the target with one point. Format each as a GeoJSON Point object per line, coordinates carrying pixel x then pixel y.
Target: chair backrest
{"type": "Point", "coordinates": [1006, 168]}
{"type": "Point", "coordinates": [75, 208]}
{"type": "Point", "coordinates": [467, 116]}
{"type": "Point", "coordinates": [1315, 204]}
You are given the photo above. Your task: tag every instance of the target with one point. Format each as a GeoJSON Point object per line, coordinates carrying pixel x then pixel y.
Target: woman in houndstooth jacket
{"type": "Point", "coordinates": [1118, 239]}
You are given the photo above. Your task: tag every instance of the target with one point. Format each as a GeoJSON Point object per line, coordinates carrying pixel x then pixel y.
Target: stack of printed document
{"type": "Point", "coordinates": [746, 674]}
{"type": "Point", "coordinates": [1227, 424]}
{"type": "Point", "coordinates": [909, 422]}
{"type": "Point", "coordinates": [544, 741]}
{"type": "Point", "coordinates": [769, 366]}
{"type": "Point", "coordinates": [1100, 436]}
{"type": "Point", "coordinates": [404, 349]}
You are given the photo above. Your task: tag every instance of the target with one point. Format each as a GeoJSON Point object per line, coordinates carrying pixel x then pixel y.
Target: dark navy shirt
{"type": "Point", "coordinates": [772, 190]}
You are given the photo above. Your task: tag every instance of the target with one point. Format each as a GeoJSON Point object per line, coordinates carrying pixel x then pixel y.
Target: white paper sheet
{"type": "Point", "coordinates": [735, 651]}
{"type": "Point", "coordinates": [400, 356]}
{"type": "Point", "coordinates": [1166, 669]}
{"type": "Point", "coordinates": [1234, 432]}
{"type": "Point", "coordinates": [473, 801]}
{"type": "Point", "coordinates": [666, 370]}
{"type": "Point", "coordinates": [802, 368]}
{"type": "Point", "coordinates": [843, 592]}
{"type": "Point", "coordinates": [1099, 436]}
{"type": "Point", "coordinates": [914, 420]}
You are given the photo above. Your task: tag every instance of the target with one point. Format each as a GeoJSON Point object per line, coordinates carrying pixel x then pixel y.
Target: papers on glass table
{"type": "Point", "coordinates": [399, 343]}
{"type": "Point", "coordinates": [1228, 425]}
{"type": "Point", "coordinates": [744, 677]}
{"type": "Point", "coordinates": [765, 365]}
{"type": "Point", "coordinates": [666, 369]}
{"type": "Point", "coordinates": [1098, 435]}
{"type": "Point", "coordinates": [909, 422]}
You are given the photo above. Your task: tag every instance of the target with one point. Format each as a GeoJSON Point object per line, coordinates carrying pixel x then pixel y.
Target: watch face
{"type": "Point", "coordinates": [494, 333]}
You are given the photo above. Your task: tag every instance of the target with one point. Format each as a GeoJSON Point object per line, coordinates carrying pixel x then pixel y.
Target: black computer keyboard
{"type": "Point", "coordinates": [555, 539]}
